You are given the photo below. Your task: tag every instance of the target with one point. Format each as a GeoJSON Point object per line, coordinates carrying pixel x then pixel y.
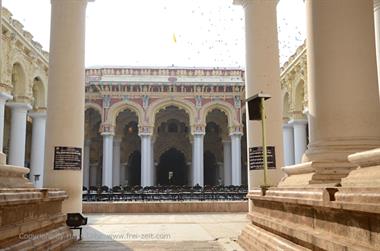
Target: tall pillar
{"type": "Point", "coordinates": [86, 163]}
{"type": "Point", "coordinates": [198, 170]}
{"type": "Point", "coordinates": [18, 133]}
{"type": "Point", "coordinates": [38, 148]}
{"type": "Point", "coordinates": [288, 144]}
{"type": "Point", "coordinates": [66, 95]}
{"type": "Point", "coordinates": [146, 167]}
{"type": "Point", "coordinates": [236, 159]}
{"type": "Point", "coordinates": [300, 139]}
{"type": "Point", "coordinates": [263, 75]}
{"type": "Point", "coordinates": [153, 167]}
{"type": "Point", "coordinates": [107, 159]}
{"type": "Point", "coordinates": [337, 127]}
{"type": "Point", "coordinates": [377, 35]}
{"type": "Point", "coordinates": [3, 98]}
{"type": "Point", "coordinates": [227, 162]}
{"type": "Point", "coordinates": [116, 162]}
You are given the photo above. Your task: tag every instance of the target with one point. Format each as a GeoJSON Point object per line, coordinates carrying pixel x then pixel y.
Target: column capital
{"type": "Point", "coordinates": [198, 130]}
{"type": "Point", "coordinates": [107, 128]}
{"type": "Point", "coordinates": [226, 141]}
{"type": "Point", "coordinates": [5, 96]}
{"type": "Point", "coordinates": [245, 3]}
{"type": "Point", "coordinates": [37, 114]}
{"type": "Point", "coordinates": [236, 134]}
{"type": "Point", "coordinates": [107, 134]}
{"type": "Point", "coordinates": [298, 122]}
{"type": "Point", "coordinates": [21, 106]}
{"type": "Point", "coordinates": [376, 5]}
{"type": "Point", "coordinates": [146, 130]}
{"type": "Point", "coordinates": [237, 129]}
{"type": "Point", "coordinates": [287, 125]}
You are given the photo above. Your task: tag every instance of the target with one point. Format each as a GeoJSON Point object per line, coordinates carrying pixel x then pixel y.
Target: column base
{"type": "Point", "coordinates": [14, 177]}
{"type": "Point", "coordinates": [368, 173]}
{"type": "Point", "coordinates": [316, 174]}
{"type": "Point", "coordinates": [313, 219]}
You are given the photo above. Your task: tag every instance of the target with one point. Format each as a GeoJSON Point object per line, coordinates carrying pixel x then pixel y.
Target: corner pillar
{"type": "Point", "coordinates": [18, 133]}
{"type": "Point", "coordinates": [198, 165]}
{"type": "Point", "coordinates": [227, 162]}
{"type": "Point", "coordinates": [38, 148]}
{"type": "Point", "coordinates": [116, 162]}
{"type": "Point", "coordinates": [66, 82]}
{"type": "Point", "coordinates": [263, 75]}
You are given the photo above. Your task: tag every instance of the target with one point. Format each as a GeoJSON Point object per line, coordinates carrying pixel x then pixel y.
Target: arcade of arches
{"type": "Point", "coordinates": [156, 126]}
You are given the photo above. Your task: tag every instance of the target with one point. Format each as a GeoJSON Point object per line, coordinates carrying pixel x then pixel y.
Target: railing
{"type": "Point", "coordinates": [165, 193]}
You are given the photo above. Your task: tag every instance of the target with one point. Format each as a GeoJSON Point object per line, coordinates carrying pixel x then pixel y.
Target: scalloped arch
{"type": "Point", "coordinates": [121, 106]}
{"type": "Point", "coordinates": [185, 105]}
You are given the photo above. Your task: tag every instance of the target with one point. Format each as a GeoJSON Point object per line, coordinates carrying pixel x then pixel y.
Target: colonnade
{"type": "Point", "coordinates": [16, 155]}
{"type": "Point", "coordinates": [295, 141]}
{"type": "Point", "coordinates": [113, 169]}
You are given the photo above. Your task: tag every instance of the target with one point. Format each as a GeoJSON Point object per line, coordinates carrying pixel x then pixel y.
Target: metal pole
{"type": "Point", "coordinates": [264, 140]}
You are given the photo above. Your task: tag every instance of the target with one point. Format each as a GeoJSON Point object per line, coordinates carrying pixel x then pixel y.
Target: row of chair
{"type": "Point", "coordinates": [164, 193]}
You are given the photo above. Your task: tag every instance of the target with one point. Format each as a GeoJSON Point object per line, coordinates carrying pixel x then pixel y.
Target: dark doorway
{"type": "Point", "coordinates": [134, 169]}
{"type": "Point", "coordinates": [172, 163]}
{"type": "Point", "coordinates": [211, 174]}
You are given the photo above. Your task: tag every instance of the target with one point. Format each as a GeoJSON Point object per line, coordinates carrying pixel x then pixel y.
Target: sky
{"type": "Point", "coordinates": [188, 33]}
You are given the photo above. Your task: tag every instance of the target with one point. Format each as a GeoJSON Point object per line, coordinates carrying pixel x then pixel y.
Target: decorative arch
{"type": "Point", "coordinates": [39, 93]}
{"type": "Point", "coordinates": [187, 106]}
{"type": "Point", "coordinates": [164, 148]}
{"type": "Point", "coordinates": [117, 108]}
{"type": "Point", "coordinates": [19, 80]}
{"type": "Point", "coordinates": [42, 76]}
{"type": "Point", "coordinates": [223, 106]}
{"type": "Point", "coordinates": [299, 95]}
{"type": "Point", "coordinates": [94, 106]}
{"type": "Point", "coordinates": [286, 107]}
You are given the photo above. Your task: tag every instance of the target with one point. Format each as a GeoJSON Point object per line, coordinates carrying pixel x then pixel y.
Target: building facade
{"type": "Point", "coordinates": [160, 126]}
{"type": "Point", "coordinates": [144, 124]}
{"type": "Point", "coordinates": [23, 91]}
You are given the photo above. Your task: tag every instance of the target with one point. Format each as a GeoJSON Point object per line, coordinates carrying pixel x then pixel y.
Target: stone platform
{"type": "Point", "coordinates": [32, 219]}
{"type": "Point", "coordinates": [313, 219]}
{"type": "Point", "coordinates": [165, 207]}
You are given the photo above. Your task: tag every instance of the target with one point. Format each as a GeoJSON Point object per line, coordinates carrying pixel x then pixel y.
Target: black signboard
{"type": "Point", "coordinates": [256, 158]}
{"type": "Point", "coordinates": [67, 158]}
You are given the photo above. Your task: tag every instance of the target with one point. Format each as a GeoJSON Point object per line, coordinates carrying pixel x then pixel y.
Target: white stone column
{"type": "Point", "coordinates": [18, 133]}
{"type": "Point", "coordinates": [153, 167]}
{"type": "Point", "coordinates": [377, 35]}
{"type": "Point", "coordinates": [227, 162]}
{"type": "Point", "coordinates": [146, 159]}
{"type": "Point", "coordinates": [198, 170]}
{"type": "Point", "coordinates": [288, 135]}
{"type": "Point", "coordinates": [116, 162]}
{"type": "Point", "coordinates": [349, 122]}
{"type": "Point", "coordinates": [38, 148]}
{"type": "Point", "coordinates": [86, 163]}
{"type": "Point", "coordinates": [263, 75]}
{"type": "Point", "coordinates": [107, 159]}
{"type": "Point", "coordinates": [300, 138]}
{"type": "Point", "coordinates": [3, 99]}
{"type": "Point", "coordinates": [236, 159]}
{"type": "Point", "coordinates": [66, 96]}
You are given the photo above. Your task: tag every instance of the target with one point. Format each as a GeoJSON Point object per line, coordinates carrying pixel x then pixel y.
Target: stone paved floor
{"type": "Point", "coordinates": [203, 232]}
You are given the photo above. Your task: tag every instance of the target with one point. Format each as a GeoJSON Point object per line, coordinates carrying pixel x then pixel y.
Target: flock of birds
{"type": "Point", "coordinates": [220, 38]}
